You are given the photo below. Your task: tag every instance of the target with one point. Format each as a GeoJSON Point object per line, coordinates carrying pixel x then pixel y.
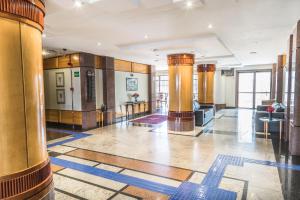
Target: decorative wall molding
{"type": "Point", "coordinates": [33, 10]}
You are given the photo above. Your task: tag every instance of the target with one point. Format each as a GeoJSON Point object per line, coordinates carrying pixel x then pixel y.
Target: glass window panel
{"type": "Point", "coordinates": [246, 82]}
{"type": "Point", "coordinates": [246, 100]}
{"type": "Point", "coordinates": [260, 97]}
{"type": "Point", "coordinates": [263, 81]}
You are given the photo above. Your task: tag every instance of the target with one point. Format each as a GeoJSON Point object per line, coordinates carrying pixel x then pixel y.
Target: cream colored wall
{"type": "Point", "coordinates": [99, 88]}
{"type": "Point", "coordinates": [219, 88]}
{"type": "Point", "coordinates": [50, 89]}
{"type": "Point", "coordinates": [121, 95]}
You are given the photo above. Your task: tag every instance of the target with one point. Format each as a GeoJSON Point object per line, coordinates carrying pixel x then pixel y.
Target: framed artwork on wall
{"type": "Point", "coordinates": [132, 84]}
{"type": "Point", "coordinates": [60, 79]}
{"type": "Point", "coordinates": [60, 96]}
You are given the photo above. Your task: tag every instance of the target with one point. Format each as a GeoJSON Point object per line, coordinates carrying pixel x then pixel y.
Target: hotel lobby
{"type": "Point", "coordinates": [150, 99]}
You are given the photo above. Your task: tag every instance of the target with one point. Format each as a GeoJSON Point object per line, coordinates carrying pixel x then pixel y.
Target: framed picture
{"type": "Point", "coordinates": [60, 96]}
{"type": "Point", "coordinates": [60, 79]}
{"type": "Point", "coordinates": [132, 84]}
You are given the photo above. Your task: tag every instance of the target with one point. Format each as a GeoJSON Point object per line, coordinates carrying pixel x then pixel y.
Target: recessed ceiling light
{"type": "Point", "coordinates": [210, 26]}
{"type": "Point", "coordinates": [99, 43]}
{"type": "Point", "coordinates": [78, 3]}
{"type": "Point", "coordinates": [189, 4]}
{"type": "Point", "coordinates": [253, 52]}
{"type": "Point", "coordinates": [44, 35]}
{"type": "Point", "coordinates": [146, 37]}
{"type": "Point", "coordinates": [44, 53]}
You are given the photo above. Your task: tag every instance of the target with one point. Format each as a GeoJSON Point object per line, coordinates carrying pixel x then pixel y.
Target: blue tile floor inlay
{"type": "Point", "coordinates": [75, 135]}
{"type": "Point", "coordinates": [145, 184]}
{"type": "Point", "coordinates": [207, 190]}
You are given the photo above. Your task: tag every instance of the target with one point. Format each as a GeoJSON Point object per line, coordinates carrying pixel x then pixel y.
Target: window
{"type": "Point", "coordinates": [253, 88]}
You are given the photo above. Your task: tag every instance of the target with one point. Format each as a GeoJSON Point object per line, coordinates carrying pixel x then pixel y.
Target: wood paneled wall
{"type": "Point", "coordinates": [127, 66]}
{"type": "Point", "coordinates": [72, 60]}
{"type": "Point", "coordinates": [83, 59]}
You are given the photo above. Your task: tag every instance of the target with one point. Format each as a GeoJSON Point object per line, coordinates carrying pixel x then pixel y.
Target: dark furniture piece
{"type": "Point", "coordinates": [203, 113]}
{"type": "Point", "coordinates": [261, 111]}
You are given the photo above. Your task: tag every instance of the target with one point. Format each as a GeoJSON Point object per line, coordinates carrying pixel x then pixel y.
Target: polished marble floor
{"type": "Point", "coordinates": [127, 161]}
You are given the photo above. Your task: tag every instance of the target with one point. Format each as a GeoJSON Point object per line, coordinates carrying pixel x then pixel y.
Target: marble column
{"type": "Point", "coordinates": [294, 146]}
{"type": "Point", "coordinates": [279, 85]}
{"type": "Point", "coordinates": [206, 78]}
{"type": "Point", "coordinates": [181, 116]}
{"type": "Point", "coordinates": [24, 167]}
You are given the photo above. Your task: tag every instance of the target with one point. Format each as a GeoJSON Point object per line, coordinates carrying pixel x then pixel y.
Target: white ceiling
{"type": "Point", "coordinates": [239, 27]}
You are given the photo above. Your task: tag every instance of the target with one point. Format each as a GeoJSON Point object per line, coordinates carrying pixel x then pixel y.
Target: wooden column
{"type": "Point", "coordinates": [279, 85]}
{"type": "Point", "coordinates": [273, 89]}
{"type": "Point", "coordinates": [181, 116]}
{"type": "Point", "coordinates": [109, 89]}
{"type": "Point", "coordinates": [24, 167]}
{"type": "Point", "coordinates": [289, 88]}
{"type": "Point", "coordinates": [294, 146]}
{"type": "Point", "coordinates": [206, 78]}
{"type": "Point", "coordinates": [88, 91]}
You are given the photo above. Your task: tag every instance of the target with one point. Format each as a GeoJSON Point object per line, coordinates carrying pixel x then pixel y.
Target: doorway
{"type": "Point", "coordinates": [252, 88]}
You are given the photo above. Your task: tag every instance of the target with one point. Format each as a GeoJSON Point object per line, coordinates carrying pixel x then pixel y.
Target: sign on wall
{"type": "Point", "coordinates": [131, 84]}
{"type": "Point", "coordinates": [76, 74]}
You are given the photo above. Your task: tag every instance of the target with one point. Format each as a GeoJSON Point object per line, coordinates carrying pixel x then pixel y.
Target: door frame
{"type": "Point", "coordinates": [254, 84]}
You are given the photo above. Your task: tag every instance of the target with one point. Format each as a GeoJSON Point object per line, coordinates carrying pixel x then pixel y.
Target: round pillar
{"type": "Point", "coordinates": [181, 115]}
{"type": "Point", "coordinates": [25, 171]}
{"type": "Point", "coordinates": [206, 78]}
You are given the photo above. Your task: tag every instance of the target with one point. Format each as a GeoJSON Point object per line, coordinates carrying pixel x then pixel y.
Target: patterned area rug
{"type": "Point", "coordinates": [151, 119]}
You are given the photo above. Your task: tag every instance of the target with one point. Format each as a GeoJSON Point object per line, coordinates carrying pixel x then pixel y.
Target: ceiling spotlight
{"type": "Point", "coordinates": [99, 43]}
{"type": "Point", "coordinates": [189, 4]}
{"type": "Point", "coordinates": [146, 37]}
{"type": "Point", "coordinates": [78, 3]}
{"type": "Point", "coordinates": [44, 35]}
{"type": "Point", "coordinates": [210, 26]}
{"type": "Point", "coordinates": [45, 53]}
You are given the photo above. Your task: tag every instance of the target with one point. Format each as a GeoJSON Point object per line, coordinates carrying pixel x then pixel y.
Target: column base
{"type": "Point", "coordinates": [181, 121]}
{"type": "Point", "coordinates": [33, 183]}
{"type": "Point", "coordinates": [294, 145]}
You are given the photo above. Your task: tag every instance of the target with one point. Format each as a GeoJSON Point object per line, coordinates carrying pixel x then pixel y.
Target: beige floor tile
{"type": "Point", "coordinates": [77, 160]}
{"type": "Point", "coordinates": [151, 178]}
{"type": "Point", "coordinates": [61, 149]}
{"type": "Point", "coordinates": [93, 179]}
{"type": "Point", "coordinates": [109, 167]}
{"type": "Point", "coordinates": [81, 189]}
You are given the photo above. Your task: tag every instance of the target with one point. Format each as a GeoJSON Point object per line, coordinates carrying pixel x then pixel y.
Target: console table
{"type": "Point", "coordinates": [132, 104]}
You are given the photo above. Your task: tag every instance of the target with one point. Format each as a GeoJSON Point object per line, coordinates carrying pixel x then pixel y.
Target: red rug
{"type": "Point", "coordinates": [151, 119]}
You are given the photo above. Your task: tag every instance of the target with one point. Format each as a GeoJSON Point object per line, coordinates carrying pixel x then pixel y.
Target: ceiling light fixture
{"type": "Point", "coordinates": [99, 43]}
{"type": "Point", "coordinates": [253, 52]}
{"type": "Point", "coordinates": [45, 53]}
{"type": "Point", "coordinates": [189, 4]}
{"type": "Point", "coordinates": [78, 3]}
{"type": "Point", "coordinates": [146, 37]}
{"type": "Point", "coordinates": [44, 35]}
{"type": "Point", "coordinates": [210, 26]}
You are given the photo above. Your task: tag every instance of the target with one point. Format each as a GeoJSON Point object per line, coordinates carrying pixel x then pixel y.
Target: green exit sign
{"type": "Point", "coordinates": [76, 74]}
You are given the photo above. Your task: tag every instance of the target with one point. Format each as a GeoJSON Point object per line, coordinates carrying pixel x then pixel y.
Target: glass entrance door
{"type": "Point", "coordinates": [253, 88]}
{"type": "Point", "coordinates": [245, 90]}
